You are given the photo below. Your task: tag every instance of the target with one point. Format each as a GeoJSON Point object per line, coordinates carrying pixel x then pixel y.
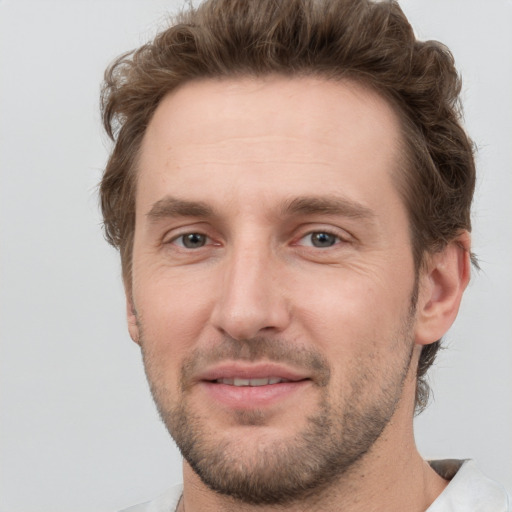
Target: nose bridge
{"type": "Point", "coordinates": [251, 299]}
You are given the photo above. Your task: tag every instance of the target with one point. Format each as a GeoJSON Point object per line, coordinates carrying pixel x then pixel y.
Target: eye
{"type": "Point", "coordinates": [191, 240]}
{"type": "Point", "coordinates": [320, 239]}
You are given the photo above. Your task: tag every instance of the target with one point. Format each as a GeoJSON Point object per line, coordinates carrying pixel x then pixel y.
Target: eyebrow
{"type": "Point", "coordinates": [327, 205]}
{"type": "Point", "coordinates": [174, 207]}
{"type": "Point", "coordinates": [169, 207]}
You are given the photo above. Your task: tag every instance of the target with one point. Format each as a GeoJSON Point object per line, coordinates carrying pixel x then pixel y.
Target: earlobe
{"type": "Point", "coordinates": [442, 285]}
{"type": "Point", "coordinates": [131, 316]}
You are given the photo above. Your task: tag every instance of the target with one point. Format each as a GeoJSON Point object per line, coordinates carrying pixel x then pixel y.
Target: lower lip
{"type": "Point", "coordinates": [250, 397]}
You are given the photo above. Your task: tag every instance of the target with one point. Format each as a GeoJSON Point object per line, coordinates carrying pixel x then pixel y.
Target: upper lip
{"type": "Point", "coordinates": [251, 371]}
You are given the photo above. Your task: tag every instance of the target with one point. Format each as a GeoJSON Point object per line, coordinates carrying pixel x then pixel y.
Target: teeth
{"type": "Point", "coordinates": [251, 382]}
{"type": "Point", "coordinates": [259, 382]}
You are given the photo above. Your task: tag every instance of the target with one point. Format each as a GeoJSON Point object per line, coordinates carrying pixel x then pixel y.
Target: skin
{"type": "Point", "coordinates": [217, 161]}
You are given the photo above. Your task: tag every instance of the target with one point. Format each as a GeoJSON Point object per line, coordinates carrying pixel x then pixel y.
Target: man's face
{"type": "Point", "coordinates": [273, 279]}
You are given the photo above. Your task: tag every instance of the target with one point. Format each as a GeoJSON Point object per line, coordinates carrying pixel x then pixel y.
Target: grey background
{"type": "Point", "coordinates": [78, 430]}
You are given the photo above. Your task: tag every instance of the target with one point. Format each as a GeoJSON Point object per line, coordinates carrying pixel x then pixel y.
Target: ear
{"type": "Point", "coordinates": [441, 286]}
{"type": "Point", "coordinates": [131, 316]}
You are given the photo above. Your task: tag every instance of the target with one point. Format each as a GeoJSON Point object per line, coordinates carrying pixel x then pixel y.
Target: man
{"type": "Point", "coordinates": [290, 191]}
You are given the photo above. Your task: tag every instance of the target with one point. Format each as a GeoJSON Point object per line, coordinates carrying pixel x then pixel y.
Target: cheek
{"type": "Point", "coordinates": [350, 312]}
{"type": "Point", "coordinates": [359, 327]}
{"type": "Point", "coordinates": [173, 310]}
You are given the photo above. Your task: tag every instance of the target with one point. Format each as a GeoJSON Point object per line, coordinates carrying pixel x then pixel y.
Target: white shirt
{"type": "Point", "coordinates": [469, 490]}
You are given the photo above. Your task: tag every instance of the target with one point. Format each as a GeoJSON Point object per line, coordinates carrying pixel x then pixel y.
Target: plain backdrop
{"type": "Point", "coordinates": [78, 429]}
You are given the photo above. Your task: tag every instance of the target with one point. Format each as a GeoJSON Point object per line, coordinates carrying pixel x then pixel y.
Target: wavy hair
{"type": "Point", "coordinates": [368, 42]}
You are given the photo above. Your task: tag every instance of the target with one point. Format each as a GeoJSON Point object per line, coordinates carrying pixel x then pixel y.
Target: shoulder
{"type": "Point", "coordinates": [166, 502]}
{"type": "Point", "coordinates": [469, 489]}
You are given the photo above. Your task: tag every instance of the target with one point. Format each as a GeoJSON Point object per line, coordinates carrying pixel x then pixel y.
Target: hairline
{"type": "Point", "coordinates": [404, 151]}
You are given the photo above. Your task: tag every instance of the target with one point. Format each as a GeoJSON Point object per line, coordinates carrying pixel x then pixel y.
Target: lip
{"type": "Point", "coordinates": [251, 371]}
{"type": "Point", "coordinates": [252, 397]}
{"type": "Point", "coordinates": [247, 397]}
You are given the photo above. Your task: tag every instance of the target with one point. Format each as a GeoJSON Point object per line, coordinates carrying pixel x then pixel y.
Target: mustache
{"type": "Point", "coordinates": [258, 349]}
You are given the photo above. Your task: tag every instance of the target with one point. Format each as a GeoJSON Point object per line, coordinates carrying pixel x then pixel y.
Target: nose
{"type": "Point", "coordinates": [252, 299]}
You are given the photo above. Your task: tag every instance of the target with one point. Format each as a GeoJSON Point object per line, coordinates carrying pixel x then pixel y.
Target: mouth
{"type": "Point", "coordinates": [239, 373]}
{"type": "Point", "coordinates": [241, 382]}
{"type": "Point", "coordinates": [240, 386]}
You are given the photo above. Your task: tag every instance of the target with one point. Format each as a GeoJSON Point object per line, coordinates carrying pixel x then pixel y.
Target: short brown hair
{"type": "Point", "coordinates": [361, 40]}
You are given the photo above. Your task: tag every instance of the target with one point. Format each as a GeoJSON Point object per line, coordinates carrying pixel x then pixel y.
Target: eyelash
{"type": "Point", "coordinates": [182, 236]}
{"type": "Point", "coordinates": [337, 239]}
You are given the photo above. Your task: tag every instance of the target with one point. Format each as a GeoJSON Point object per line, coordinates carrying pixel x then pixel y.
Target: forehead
{"type": "Point", "coordinates": [257, 134]}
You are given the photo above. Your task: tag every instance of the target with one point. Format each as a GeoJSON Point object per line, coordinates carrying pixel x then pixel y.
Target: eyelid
{"type": "Point", "coordinates": [337, 241]}
{"type": "Point", "coordinates": [181, 245]}
{"type": "Point", "coordinates": [177, 236]}
{"type": "Point", "coordinates": [343, 235]}
{"type": "Point", "coordinates": [175, 231]}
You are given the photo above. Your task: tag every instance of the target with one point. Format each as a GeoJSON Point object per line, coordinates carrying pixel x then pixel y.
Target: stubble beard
{"type": "Point", "coordinates": [282, 471]}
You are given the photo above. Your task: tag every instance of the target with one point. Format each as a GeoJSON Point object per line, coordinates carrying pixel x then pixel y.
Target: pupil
{"type": "Point", "coordinates": [323, 240]}
{"type": "Point", "coordinates": [193, 240]}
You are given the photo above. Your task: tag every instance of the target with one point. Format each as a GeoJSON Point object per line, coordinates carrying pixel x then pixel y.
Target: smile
{"type": "Point", "coordinates": [237, 381]}
{"type": "Point", "coordinates": [241, 385]}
